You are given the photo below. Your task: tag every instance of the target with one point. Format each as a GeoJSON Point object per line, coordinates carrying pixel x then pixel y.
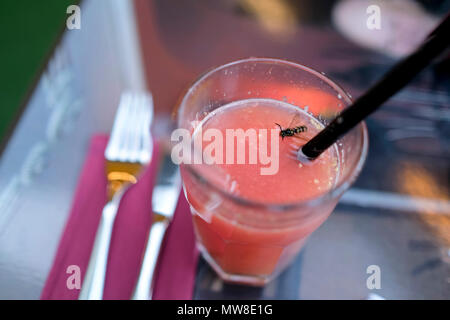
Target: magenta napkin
{"type": "Point", "coordinates": [175, 274]}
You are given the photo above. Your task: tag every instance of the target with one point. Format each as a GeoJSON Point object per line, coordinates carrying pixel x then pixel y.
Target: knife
{"type": "Point", "coordinates": [164, 202]}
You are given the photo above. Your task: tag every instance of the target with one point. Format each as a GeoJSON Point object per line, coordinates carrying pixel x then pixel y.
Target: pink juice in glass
{"type": "Point", "coordinates": [250, 241]}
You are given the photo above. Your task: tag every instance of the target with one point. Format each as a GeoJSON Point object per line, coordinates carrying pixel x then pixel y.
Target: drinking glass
{"type": "Point", "coordinates": [246, 241]}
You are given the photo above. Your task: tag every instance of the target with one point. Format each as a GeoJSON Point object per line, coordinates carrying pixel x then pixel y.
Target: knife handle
{"type": "Point", "coordinates": [144, 285]}
{"type": "Point", "coordinates": [94, 280]}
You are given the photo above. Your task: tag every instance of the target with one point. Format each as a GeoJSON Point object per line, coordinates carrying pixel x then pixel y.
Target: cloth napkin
{"type": "Point", "coordinates": [175, 273]}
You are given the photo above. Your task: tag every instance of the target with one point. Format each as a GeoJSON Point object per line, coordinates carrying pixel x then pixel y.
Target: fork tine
{"type": "Point", "coordinates": [133, 133]}
{"type": "Point", "coordinates": [135, 136]}
{"type": "Point", "coordinates": [128, 133]}
{"type": "Point", "coordinates": [130, 138]}
{"type": "Point", "coordinates": [147, 145]}
{"type": "Point", "coordinates": [139, 144]}
{"type": "Point", "coordinates": [140, 127]}
{"type": "Point", "coordinates": [115, 141]}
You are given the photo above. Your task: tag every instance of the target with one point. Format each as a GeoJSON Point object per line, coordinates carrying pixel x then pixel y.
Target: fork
{"type": "Point", "coordinates": [128, 151]}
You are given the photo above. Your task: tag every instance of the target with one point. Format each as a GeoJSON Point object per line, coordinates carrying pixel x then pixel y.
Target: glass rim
{"type": "Point", "coordinates": [334, 192]}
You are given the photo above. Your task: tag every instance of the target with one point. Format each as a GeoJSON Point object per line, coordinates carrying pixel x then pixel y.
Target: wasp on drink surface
{"type": "Point", "coordinates": [290, 130]}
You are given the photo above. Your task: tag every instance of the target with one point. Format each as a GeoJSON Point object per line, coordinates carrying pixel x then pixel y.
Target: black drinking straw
{"type": "Point", "coordinates": [391, 83]}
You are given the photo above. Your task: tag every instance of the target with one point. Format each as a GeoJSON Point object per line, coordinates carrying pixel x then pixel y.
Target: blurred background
{"type": "Point", "coordinates": [65, 84]}
{"type": "Point", "coordinates": [28, 32]}
{"type": "Point", "coordinates": [199, 34]}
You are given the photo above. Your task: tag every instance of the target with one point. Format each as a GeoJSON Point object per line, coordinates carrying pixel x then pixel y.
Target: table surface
{"type": "Point", "coordinates": [396, 216]}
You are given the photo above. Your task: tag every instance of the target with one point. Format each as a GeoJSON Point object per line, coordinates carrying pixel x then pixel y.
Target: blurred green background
{"type": "Point", "coordinates": [28, 31]}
